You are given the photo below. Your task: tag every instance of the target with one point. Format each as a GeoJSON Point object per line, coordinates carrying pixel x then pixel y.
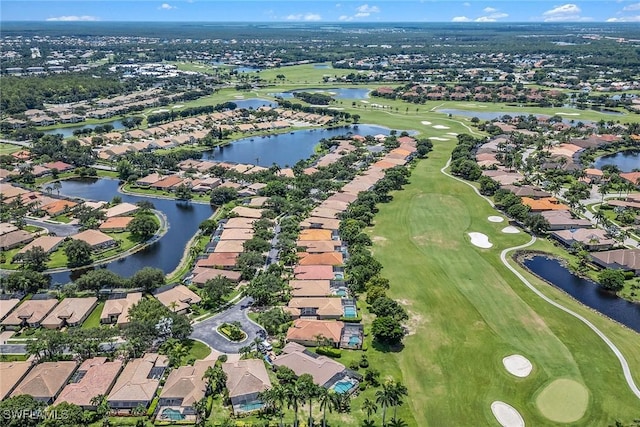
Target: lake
{"type": "Point", "coordinates": [164, 254]}
{"type": "Point", "coordinates": [67, 132]}
{"type": "Point", "coordinates": [336, 93]}
{"type": "Point", "coordinates": [626, 161]}
{"type": "Point", "coordinates": [254, 103]}
{"type": "Point", "coordinates": [283, 149]}
{"type": "Point", "coordinates": [586, 291]}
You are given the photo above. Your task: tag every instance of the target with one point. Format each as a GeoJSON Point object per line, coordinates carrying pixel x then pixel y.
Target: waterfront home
{"type": "Point", "coordinates": [149, 179]}
{"type": "Point", "coordinates": [138, 382]}
{"type": "Point", "coordinates": [14, 239]}
{"type": "Point", "coordinates": [319, 246]}
{"type": "Point", "coordinates": [58, 207]}
{"type": "Point", "coordinates": [30, 313]}
{"type": "Point", "coordinates": [178, 298]}
{"type": "Point", "coordinates": [310, 288]}
{"type": "Point", "coordinates": [12, 373]}
{"type": "Point", "coordinates": [6, 305]}
{"type": "Point", "coordinates": [60, 166]}
{"type": "Point", "coordinates": [47, 243]}
{"type": "Point", "coordinates": [618, 259]}
{"type": "Point", "coordinates": [632, 177]}
{"type": "Point", "coordinates": [184, 387]}
{"type": "Point", "coordinates": [327, 258]}
{"type": "Point", "coordinates": [115, 224]}
{"type": "Point", "coordinates": [245, 380]}
{"type": "Point", "coordinates": [116, 308]}
{"type": "Point", "coordinates": [167, 183]}
{"type": "Point", "coordinates": [325, 371]}
{"type": "Point", "coordinates": [202, 274]}
{"type": "Point", "coordinates": [544, 204]}
{"type": "Point", "coordinates": [318, 307]}
{"type": "Point", "coordinates": [229, 246]}
{"type": "Point", "coordinates": [70, 312]}
{"type": "Point", "coordinates": [314, 272]}
{"type": "Point", "coordinates": [45, 381]}
{"type": "Point", "coordinates": [593, 239]}
{"type": "Point", "coordinates": [239, 222]}
{"type": "Point", "coordinates": [312, 332]}
{"type": "Point", "coordinates": [237, 234]}
{"type": "Point", "coordinates": [245, 212]}
{"type": "Point", "coordinates": [121, 209]}
{"type": "Point", "coordinates": [563, 220]}
{"type": "Point", "coordinates": [96, 239]}
{"type": "Point", "coordinates": [93, 378]}
{"type": "Point", "coordinates": [223, 260]}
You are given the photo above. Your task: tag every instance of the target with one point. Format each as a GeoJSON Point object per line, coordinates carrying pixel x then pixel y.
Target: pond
{"type": "Point", "coordinates": [248, 69]}
{"type": "Point", "coordinates": [67, 132]}
{"type": "Point", "coordinates": [336, 93]}
{"type": "Point", "coordinates": [285, 148]}
{"type": "Point", "coordinates": [164, 254]}
{"type": "Point", "coordinates": [626, 161]}
{"type": "Point", "coordinates": [586, 291]}
{"type": "Point", "coordinates": [322, 66]}
{"type": "Point", "coordinates": [254, 103]}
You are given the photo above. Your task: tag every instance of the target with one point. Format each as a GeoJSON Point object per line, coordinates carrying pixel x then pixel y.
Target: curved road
{"type": "Point", "coordinates": [626, 370]}
{"type": "Point", "coordinates": [205, 330]}
{"type": "Point", "coordinates": [59, 229]}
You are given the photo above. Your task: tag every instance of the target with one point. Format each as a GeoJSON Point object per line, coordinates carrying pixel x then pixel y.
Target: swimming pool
{"type": "Point", "coordinates": [350, 311]}
{"type": "Point", "coordinates": [247, 407]}
{"type": "Point", "coordinates": [354, 341]}
{"type": "Point", "coordinates": [171, 414]}
{"type": "Point", "coordinates": [343, 386]}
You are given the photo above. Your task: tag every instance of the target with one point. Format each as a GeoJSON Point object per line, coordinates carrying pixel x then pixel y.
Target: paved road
{"type": "Point", "coordinates": [61, 230]}
{"type": "Point", "coordinates": [13, 348]}
{"type": "Point", "coordinates": [205, 331]}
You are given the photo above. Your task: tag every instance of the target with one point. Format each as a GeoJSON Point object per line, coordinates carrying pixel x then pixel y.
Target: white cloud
{"type": "Point", "coordinates": [365, 8]}
{"type": "Point", "coordinates": [466, 4]}
{"type": "Point", "coordinates": [635, 6]}
{"type": "Point", "coordinates": [625, 19]}
{"type": "Point", "coordinates": [485, 19]}
{"type": "Point", "coordinates": [460, 19]}
{"type": "Point", "coordinates": [489, 9]}
{"type": "Point", "coordinates": [166, 6]}
{"type": "Point", "coordinates": [492, 17]}
{"type": "Point", "coordinates": [566, 12]}
{"type": "Point", "coordinates": [345, 18]}
{"type": "Point", "coordinates": [74, 18]}
{"type": "Point", "coordinates": [304, 17]}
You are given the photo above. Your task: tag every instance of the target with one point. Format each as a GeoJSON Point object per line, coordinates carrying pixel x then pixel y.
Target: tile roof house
{"type": "Point", "coordinates": [245, 380]}
{"type": "Point", "coordinates": [319, 246]}
{"type": "Point", "coordinates": [116, 310]}
{"type": "Point", "coordinates": [96, 239]}
{"type": "Point", "coordinates": [12, 373]}
{"type": "Point", "coordinates": [545, 204]}
{"type": "Point", "coordinates": [45, 381]}
{"type": "Point", "coordinates": [244, 212]}
{"type": "Point", "coordinates": [239, 222]}
{"type": "Point", "coordinates": [327, 258]}
{"type": "Point", "coordinates": [6, 305]}
{"type": "Point", "coordinates": [185, 386]}
{"type": "Point", "coordinates": [618, 259]}
{"type": "Point", "coordinates": [315, 234]}
{"type": "Point", "coordinates": [115, 224]}
{"type": "Point", "coordinates": [47, 243]}
{"type": "Point", "coordinates": [314, 272]}
{"type": "Point", "coordinates": [202, 274]}
{"type": "Point", "coordinates": [121, 209]}
{"type": "Point", "coordinates": [593, 239]}
{"type": "Point", "coordinates": [562, 220]}
{"type": "Point", "coordinates": [310, 288]}
{"type": "Point", "coordinates": [311, 332]}
{"type": "Point", "coordinates": [318, 307]}
{"type": "Point", "coordinates": [178, 298]}
{"type": "Point", "coordinates": [70, 312]}
{"type": "Point", "coordinates": [229, 246]}
{"type": "Point", "coordinates": [317, 222]}
{"type": "Point", "coordinates": [138, 382]}
{"type": "Point", "coordinates": [58, 207]}
{"type": "Point", "coordinates": [30, 312]}
{"type": "Point", "coordinates": [224, 260]}
{"type": "Point", "coordinates": [14, 239]}
{"type": "Point", "coordinates": [325, 371]}
{"type": "Point", "coordinates": [237, 234]}
{"type": "Point", "coordinates": [93, 378]}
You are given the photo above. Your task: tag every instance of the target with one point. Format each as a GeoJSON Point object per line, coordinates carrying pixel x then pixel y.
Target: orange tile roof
{"type": "Point", "coordinates": [315, 234]}
{"type": "Point", "coordinates": [116, 223]}
{"type": "Point", "coordinates": [310, 330]}
{"type": "Point", "coordinates": [632, 177]}
{"type": "Point", "coordinates": [327, 258]}
{"type": "Point", "coordinates": [58, 206]}
{"type": "Point", "coordinates": [545, 204]}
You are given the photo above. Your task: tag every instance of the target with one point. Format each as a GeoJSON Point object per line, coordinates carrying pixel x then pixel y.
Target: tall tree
{"type": "Point", "coordinates": [78, 253]}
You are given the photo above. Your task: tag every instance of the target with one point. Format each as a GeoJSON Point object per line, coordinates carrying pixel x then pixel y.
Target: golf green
{"type": "Point", "coordinates": [563, 400]}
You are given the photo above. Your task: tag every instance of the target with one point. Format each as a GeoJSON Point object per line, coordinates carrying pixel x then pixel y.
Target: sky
{"type": "Point", "coordinates": [486, 11]}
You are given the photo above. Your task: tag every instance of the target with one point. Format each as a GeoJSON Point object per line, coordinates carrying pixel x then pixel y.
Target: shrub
{"type": "Point", "coordinates": [329, 351]}
{"type": "Point", "coordinates": [223, 358]}
{"type": "Point", "coordinates": [152, 407]}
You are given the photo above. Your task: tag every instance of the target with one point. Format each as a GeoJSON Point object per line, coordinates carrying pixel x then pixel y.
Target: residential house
{"type": "Point", "coordinates": [310, 288]}
{"type": "Point", "coordinates": [184, 387]}
{"type": "Point", "coordinates": [14, 239]}
{"type": "Point", "coordinates": [327, 258]}
{"type": "Point", "coordinates": [7, 304]}
{"type": "Point", "coordinates": [315, 234]}
{"type": "Point", "coordinates": [314, 272]}
{"type": "Point", "coordinates": [312, 332]}
{"type": "Point", "coordinates": [47, 243]}
{"type": "Point", "coordinates": [96, 239]}
{"type": "Point", "coordinates": [121, 209]}
{"type": "Point", "coordinates": [45, 381]}
{"type": "Point", "coordinates": [138, 382]}
{"type": "Point", "coordinates": [178, 298]}
{"type": "Point", "coordinates": [593, 239]}
{"type": "Point", "coordinates": [115, 224]}
{"type": "Point", "coordinates": [12, 373]}
{"type": "Point", "coordinates": [325, 371]}
{"type": "Point", "coordinates": [243, 234]}
{"type": "Point", "coordinates": [70, 312]}
{"type": "Point", "coordinates": [245, 212]}
{"type": "Point", "coordinates": [239, 222]}
{"type": "Point", "coordinates": [618, 259]}
{"type": "Point", "coordinates": [93, 378]}
{"type": "Point", "coordinates": [30, 313]}
{"type": "Point", "coordinates": [58, 207]}
{"type": "Point", "coordinates": [202, 274]}
{"type": "Point", "coordinates": [317, 307]}
{"type": "Point", "coordinates": [229, 246]}
{"type": "Point", "coordinates": [544, 204]}
{"type": "Point", "coordinates": [563, 220]}
{"type": "Point", "coordinates": [223, 260]}
{"type": "Point", "coordinates": [246, 379]}
{"type": "Point", "coordinates": [116, 308]}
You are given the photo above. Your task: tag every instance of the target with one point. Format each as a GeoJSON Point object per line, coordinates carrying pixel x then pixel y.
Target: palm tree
{"type": "Point", "coordinates": [384, 398]}
{"type": "Point", "coordinates": [102, 405]}
{"type": "Point", "coordinates": [397, 422]}
{"type": "Point", "coordinates": [370, 407]}
{"type": "Point", "coordinates": [308, 391]}
{"type": "Point", "coordinates": [326, 400]}
{"type": "Point", "coordinates": [398, 391]}
{"type": "Point", "coordinates": [200, 408]}
{"type": "Point", "coordinates": [280, 397]}
{"type": "Point", "coordinates": [293, 400]}
{"type": "Point", "coordinates": [245, 351]}
{"type": "Point", "coordinates": [216, 379]}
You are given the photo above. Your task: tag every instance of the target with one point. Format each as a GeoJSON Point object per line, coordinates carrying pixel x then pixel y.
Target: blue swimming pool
{"type": "Point", "coordinates": [343, 386]}
{"type": "Point", "coordinates": [354, 340]}
{"type": "Point", "coordinates": [253, 406]}
{"type": "Point", "coordinates": [171, 414]}
{"type": "Point", "coordinates": [350, 311]}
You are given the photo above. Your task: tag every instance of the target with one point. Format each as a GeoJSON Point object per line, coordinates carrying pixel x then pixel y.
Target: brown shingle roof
{"type": "Point", "coordinates": [73, 310]}
{"type": "Point", "coordinates": [99, 376]}
{"type": "Point", "coordinates": [45, 380]}
{"type": "Point", "coordinates": [134, 384]}
{"type": "Point", "coordinates": [186, 384]}
{"type": "Point", "coordinates": [181, 295]}
{"type": "Point", "coordinates": [321, 368]}
{"type": "Point", "coordinates": [11, 374]}
{"type": "Point", "coordinates": [246, 377]}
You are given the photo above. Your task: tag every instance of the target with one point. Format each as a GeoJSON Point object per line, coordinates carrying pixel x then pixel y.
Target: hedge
{"type": "Point", "coordinates": [329, 351]}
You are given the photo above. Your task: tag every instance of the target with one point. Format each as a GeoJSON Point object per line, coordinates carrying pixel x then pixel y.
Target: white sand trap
{"type": "Point", "coordinates": [424, 122]}
{"type": "Point", "coordinates": [335, 108]}
{"type": "Point", "coordinates": [437, 138]}
{"type": "Point", "coordinates": [239, 97]}
{"type": "Point", "coordinates": [452, 133]}
{"type": "Point", "coordinates": [568, 114]}
{"type": "Point", "coordinates": [517, 365]}
{"type": "Point", "coordinates": [480, 240]}
{"type": "Point", "coordinates": [441, 127]}
{"type": "Point", "coordinates": [510, 230]}
{"type": "Point", "coordinates": [495, 218]}
{"type": "Point", "coordinates": [364, 102]}
{"type": "Point", "coordinates": [178, 106]}
{"type": "Point", "coordinates": [162, 110]}
{"type": "Point", "coordinates": [506, 415]}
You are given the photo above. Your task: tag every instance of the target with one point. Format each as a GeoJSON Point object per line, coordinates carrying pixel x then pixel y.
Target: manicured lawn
{"type": "Point", "coordinates": [468, 312]}
{"type": "Point", "coordinates": [198, 350]}
{"type": "Point", "coordinates": [93, 321]}
{"type": "Point", "coordinates": [62, 218]}
{"type": "Point", "coordinates": [8, 148]}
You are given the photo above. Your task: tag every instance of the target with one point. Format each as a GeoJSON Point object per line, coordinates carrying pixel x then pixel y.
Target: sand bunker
{"type": "Point", "coordinates": [506, 415]}
{"type": "Point", "coordinates": [495, 218]}
{"type": "Point", "coordinates": [510, 230]}
{"type": "Point", "coordinates": [364, 102]}
{"type": "Point", "coordinates": [178, 106]}
{"type": "Point", "coordinates": [568, 114]}
{"type": "Point", "coordinates": [239, 96]}
{"type": "Point", "coordinates": [437, 138]}
{"type": "Point", "coordinates": [517, 365]}
{"type": "Point", "coordinates": [452, 133]}
{"type": "Point", "coordinates": [424, 122]}
{"type": "Point", "coordinates": [441, 127]}
{"type": "Point", "coordinates": [480, 240]}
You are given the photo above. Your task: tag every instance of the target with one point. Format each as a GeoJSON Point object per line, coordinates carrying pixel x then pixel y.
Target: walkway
{"type": "Point", "coordinates": [205, 331]}
{"type": "Point", "coordinates": [626, 370]}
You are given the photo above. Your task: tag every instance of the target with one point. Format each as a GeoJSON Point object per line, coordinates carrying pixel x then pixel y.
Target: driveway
{"type": "Point", "coordinates": [205, 331]}
{"type": "Point", "coordinates": [61, 230]}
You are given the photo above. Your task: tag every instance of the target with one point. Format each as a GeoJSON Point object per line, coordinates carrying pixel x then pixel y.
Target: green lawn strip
{"type": "Point", "coordinates": [468, 312]}
{"type": "Point", "coordinates": [62, 218]}
{"type": "Point", "coordinates": [198, 350]}
{"type": "Point", "coordinates": [93, 320]}
{"type": "Point", "coordinates": [8, 148]}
